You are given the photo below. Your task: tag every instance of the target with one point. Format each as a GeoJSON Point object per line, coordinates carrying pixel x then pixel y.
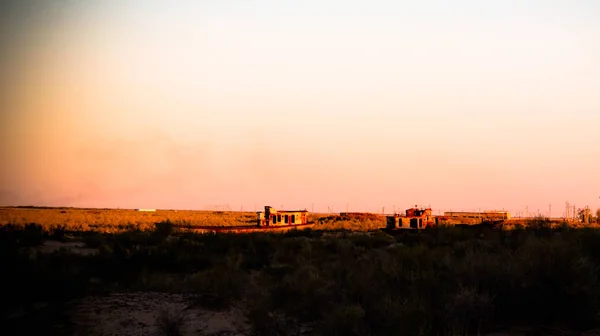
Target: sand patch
{"type": "Point", "coordinates": [139, 314]}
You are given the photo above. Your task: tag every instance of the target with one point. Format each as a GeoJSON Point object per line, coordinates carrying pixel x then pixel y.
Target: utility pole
{"type": "Point", "coordinates": [526, 211]}
{"type": "Point", "coordinates": [550, 210]}
{"type": "Point", "coordinates": [346, 207]}
{"type": "Point", "coordinates": [312, 207]}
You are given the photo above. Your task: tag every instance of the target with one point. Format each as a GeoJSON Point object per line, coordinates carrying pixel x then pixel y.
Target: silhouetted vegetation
{"type": "Point", "coordinates": [170, 322]}
{"type": "Point", "coordinates": [440, 281]}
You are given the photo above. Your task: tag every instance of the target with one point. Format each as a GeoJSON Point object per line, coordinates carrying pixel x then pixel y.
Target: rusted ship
{"type": "Point", "coordinates": [413, 219]}
{"type": "Point", "coordinates": [267, 221]}
{"type": "Point", "coordinates": [422, 218]}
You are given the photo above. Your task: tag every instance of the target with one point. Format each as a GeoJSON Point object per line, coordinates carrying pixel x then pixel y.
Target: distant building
{"type": "Point", "coordinates": [282, 217]}
{"type": "Point", "coordinates": [146, 210]}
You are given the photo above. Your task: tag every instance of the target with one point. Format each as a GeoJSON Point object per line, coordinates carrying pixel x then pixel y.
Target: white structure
{"type": "Point", "coordinates": [146, 210]}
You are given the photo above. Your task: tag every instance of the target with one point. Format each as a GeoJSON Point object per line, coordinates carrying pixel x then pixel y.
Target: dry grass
{"type": "Point", "coordinates": [110, 220]}
{"type": "Point", "coordinates": [116, 220]}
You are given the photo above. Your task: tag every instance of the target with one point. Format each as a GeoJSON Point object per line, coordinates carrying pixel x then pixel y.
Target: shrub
{"type": "Point", "coordinates": [31, 235]}
{"type": "Point", "coordinates": [162, 231]}
{"type": "Point", "coordinates": [59, 233]}
{"type": "Point", "coordinates": [539, 223]}
{"type": "Point", "coordinates": [467, 309]}
{"type": "Point", "coordinates": [93, 239]}
{"type": "Point", "coordinates": [170, 323]}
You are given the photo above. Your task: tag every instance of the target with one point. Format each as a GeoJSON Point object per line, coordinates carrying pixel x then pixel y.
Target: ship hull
{"type": "Point", "coordinates": [248, 228]}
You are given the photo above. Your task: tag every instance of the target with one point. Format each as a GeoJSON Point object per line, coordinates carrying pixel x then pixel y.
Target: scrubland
{"type": "Point", "coordinates": [537, 279]}
{"type": "Point", "coordinates": [119, 220]}
{"type": "Point", "coordinates": [115, 220]}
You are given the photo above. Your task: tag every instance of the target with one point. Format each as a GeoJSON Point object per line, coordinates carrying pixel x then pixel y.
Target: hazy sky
{"type": "Point", "coordinates": [157, 104]}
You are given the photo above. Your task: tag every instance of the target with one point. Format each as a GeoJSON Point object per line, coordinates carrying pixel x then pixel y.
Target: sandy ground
{"type": "Point", "coordinates": [138, 314]}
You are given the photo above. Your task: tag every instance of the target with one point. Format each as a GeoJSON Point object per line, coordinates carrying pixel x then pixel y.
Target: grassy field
{"type": "Point", "coordinates": [118, 220]}
{"type": "Point", "coordinates": [539, 280]}
{"type": "Point", "coordinates": [113, 220]}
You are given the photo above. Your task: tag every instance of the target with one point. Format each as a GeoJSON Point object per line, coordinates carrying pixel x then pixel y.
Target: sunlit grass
{"type": "Point", "coordinates": [116, 220]}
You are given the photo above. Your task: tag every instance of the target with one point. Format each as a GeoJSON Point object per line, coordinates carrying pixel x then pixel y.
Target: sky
{"type": "Point", "coordinates": [323, 105]}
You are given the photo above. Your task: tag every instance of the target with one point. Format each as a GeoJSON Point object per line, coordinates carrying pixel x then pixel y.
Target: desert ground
{"type": "Point", "coordinates": [118, 272]}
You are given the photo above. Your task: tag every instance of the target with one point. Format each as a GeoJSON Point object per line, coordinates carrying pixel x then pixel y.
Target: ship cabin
{"type": "Point", "coordinates": [271, 216]}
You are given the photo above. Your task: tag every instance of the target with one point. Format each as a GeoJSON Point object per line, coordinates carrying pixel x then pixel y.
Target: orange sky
{"type": "Point", "coordinates": [150, 105]}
